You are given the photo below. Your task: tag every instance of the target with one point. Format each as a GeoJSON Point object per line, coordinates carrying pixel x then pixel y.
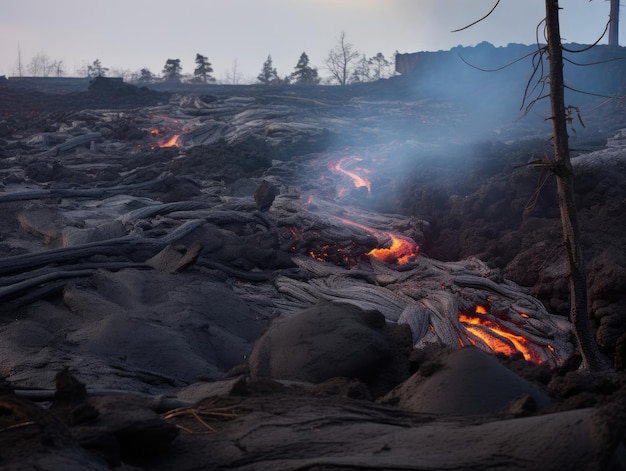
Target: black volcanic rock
{"type": "Point", "coordinates": [319, 343]}
{"type": "Point", "coordinates": [264, 195]}
{"type": "Point", "coordinates": [114, 91]}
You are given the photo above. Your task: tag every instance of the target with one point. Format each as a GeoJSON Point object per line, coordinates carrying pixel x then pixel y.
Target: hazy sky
{"type": "Point", "coordinates": [132, 34]}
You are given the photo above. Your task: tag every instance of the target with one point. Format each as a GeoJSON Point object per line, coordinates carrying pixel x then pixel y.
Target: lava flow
{"type": "Point", "coordinates": [494, 336]}
{"type": "Point", "coordinates": [171, 142]}
{"type": "Point", "coordinates": [358, 180]}
{"type": "Point", "coordinates": [402, 250]}
{"type": "Point", "coordinates": [163, 142]}
{"type": "Point", "coordinates": [172, 128]}
{"type": "Point", "coordinates": [391, 249]}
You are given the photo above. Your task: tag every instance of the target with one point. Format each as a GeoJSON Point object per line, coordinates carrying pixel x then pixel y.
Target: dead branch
{"type": "Point", "coordinates": [479, 20]}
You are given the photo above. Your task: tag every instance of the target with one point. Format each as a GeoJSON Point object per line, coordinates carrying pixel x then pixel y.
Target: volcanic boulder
{"type": "Point", "coordinates": [321, 342]}
{"type": "Point", "coordinates": [264, 195]}
{"type": "Point", "coordinates": [464, 382]}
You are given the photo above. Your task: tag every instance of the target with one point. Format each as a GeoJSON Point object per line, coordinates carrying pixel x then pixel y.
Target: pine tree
{"type": "Point", "coordinates": [380, 66]}
{"type": "Point", "coordinates": [268, 75]}
{"type": "Point", "coordinates": [171, 70]}
{"type": "Point", "coordinates": [361, 72]}
{"type": "Point", "coordinates": [96, 69]}
{"type": "Point", "coordinates": [145, 76]}
{"type": "Point", "coordinates": [202, 72]}
{"type": "Point", "coordinates": [303, 73]}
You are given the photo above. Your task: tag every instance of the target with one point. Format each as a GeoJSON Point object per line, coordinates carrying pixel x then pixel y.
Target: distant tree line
{"type": "Point", "coordinates": [344, 64]}
{"type": "Point", "coordinates": [39, 66]}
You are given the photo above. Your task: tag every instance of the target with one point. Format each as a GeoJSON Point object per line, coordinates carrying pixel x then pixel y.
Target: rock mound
{"type": "Point", "coordinates": [466, 382]}
{"type": "Point", "coordinates": [324, 341]}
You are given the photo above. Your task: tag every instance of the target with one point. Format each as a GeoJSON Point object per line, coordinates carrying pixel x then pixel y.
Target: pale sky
{"type": "Point", "coordinates": [133, 34]}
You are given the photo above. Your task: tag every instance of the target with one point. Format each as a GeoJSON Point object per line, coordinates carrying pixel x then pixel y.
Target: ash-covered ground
{"type": "Point", "coordinates": [142, 250]}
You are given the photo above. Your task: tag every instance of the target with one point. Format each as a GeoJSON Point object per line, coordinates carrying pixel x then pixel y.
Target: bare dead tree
{"type": "Point", "coordinates": [614, 23]}
{"type": "Point", "coordinates": [59, 70]}
{"type": "Point", "coordinates": [20, 65]}
{"type": "Point", "coordinates": [233, 75]}
{"type": "Point", "coordinates": [561, 168]}
{"type": "Point", "coordinates": [40, 65]}
{"type": "Point", "coordinates": [340, 59]}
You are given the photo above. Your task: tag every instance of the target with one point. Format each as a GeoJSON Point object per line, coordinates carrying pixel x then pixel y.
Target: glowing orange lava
{"type": "Point", "coordinates": [496, 337]}
{"type": "Point", "coordinates": [401, 251]}
{"type": "Point", "coordinates": [296, 232]}
{"type": "Point", "coordinates": [481, 309]}
{"type": "Point", "coordinates": [358, 180]}
{"type": "Point", "coordinates": [171, 142]}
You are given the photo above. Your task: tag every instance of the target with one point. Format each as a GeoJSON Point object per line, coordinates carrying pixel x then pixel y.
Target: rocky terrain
{"type": "Point", "coordinates": [206, 278]}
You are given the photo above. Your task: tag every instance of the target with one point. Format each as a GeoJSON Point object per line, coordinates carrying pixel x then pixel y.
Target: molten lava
{"type": "Point", "coordinates": [402, 250]}
{"type": "Point", "coordinates": [481, 309]}
{"type": "Point", "coordinates": [168, 127]}
{"type": "Point", "coordinates": [495, 336]}
{"type": "Point", "coordinates": [390, 248]}
{"type": "Point", "coordinates": [358, 180]}
{"type": "Point", "coordinates": [171, 142]}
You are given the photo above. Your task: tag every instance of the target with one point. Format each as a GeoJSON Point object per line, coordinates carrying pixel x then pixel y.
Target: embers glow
{"type": "Point", "coordinates": [171, 142]}
{"type": "Point", "coordinates": [168, 127]}
{"type": "Point", "coordinates": [402, 250]}
{"type": "Point", "coordinates": [496, 337]}
{"type": "Point", "coordinates": [296, 232]}
{"type": "Point", "coordinates": [481, 309]}
{"type": "Point", "coordinates": [358, 180]}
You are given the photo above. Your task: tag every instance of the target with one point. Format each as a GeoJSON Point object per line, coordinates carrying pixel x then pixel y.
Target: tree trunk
{"type": "Point", "coordinates": [591, 355]}
{"type": "Point", "coordinates": [614, 23]}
